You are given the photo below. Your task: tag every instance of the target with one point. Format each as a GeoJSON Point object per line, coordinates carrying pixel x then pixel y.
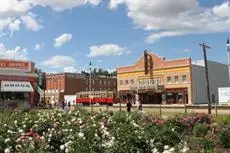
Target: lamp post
{"type": "Point", "coordinates": [228, 49]}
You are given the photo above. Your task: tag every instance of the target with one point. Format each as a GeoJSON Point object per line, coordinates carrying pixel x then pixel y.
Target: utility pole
{"type": "Point", "coordinates": [90, 85]}
{"type": "Point", "coordinates": [204, 46]}
{"type": "Point", "coordinates": [228, 49]}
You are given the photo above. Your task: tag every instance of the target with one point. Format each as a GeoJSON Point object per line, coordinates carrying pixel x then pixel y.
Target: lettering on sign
{"type": "Point", "coordinates": [15, 65]}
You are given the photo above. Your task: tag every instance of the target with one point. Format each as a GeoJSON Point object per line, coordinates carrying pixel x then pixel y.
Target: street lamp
{"type": "Point", "coordinates": [228, 49]}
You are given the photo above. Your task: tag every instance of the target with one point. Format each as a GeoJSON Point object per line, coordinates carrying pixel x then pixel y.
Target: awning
{"type": "Point", "coordinates": [16, 86]}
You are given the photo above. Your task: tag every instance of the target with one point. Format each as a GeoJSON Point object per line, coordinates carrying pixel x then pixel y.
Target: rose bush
{"type": "Point", "coordinates": [80, 131]}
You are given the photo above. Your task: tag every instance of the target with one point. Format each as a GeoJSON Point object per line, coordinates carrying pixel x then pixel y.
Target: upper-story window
{"type": "Point", "coordinates": [126, 82]}
{"type": "Point", "coordinates": [109, 83]}
{"type": "Point", "coordinates": [184, 78]}
{"type": "Point", "coordinates": [176, 79]}
{"type": "Point", "coordinates": [140, 82]}
{"type": "Point", "coordinates": [132, 82]}
{"type": "Point", "coordinates": [121, 82]}
{"type": "Point", "coordinates": [104, 82]}
{"type": "Point", "coordinates": [100, 82]}
{"type": "Point", "coordinates": [158, 81]}
{"type": "Point", "coordinates": [93, 82]}
{"type": "Point", "coordinates": [169, 79]}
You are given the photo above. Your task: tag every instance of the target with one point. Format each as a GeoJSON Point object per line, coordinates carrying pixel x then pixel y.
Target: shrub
{"type": "Point", "coordinates": [224, 137]}
{"type": "Point", "coordinates": [200, 130]}
{"type": "Point", "coordinates": [207, 145]}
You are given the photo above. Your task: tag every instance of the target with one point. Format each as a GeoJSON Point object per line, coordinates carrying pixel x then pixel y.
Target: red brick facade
{"type": "Point", "coordinates": [58, 85]}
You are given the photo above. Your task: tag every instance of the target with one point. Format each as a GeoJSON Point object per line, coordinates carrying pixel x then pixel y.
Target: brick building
{"type": "Point", "coordinates": [153, 79]}
{"type": "Point", "coordinates": [18, 83]}
{"type": "Point", "coordinates": [58, 85]}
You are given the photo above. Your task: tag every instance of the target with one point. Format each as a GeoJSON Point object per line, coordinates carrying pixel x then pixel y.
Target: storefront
{"type": "Point", "coordinates": [18, 82]}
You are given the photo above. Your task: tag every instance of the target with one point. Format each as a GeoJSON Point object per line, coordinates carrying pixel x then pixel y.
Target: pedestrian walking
{"type": "Point", "coordinates": [129, 105]}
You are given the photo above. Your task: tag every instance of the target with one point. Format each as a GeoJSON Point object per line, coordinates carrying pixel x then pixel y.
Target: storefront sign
{"type": "Point", "coordinates": [224, 96]}
{"type": "Point", "coordinates": [16, 86]}
{"type": "Point", "coordinates": [15, 65]}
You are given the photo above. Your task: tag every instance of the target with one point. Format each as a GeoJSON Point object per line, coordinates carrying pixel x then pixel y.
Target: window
{"type": "Point", "coordinates": [132, 82]}
{"type": "Point", "coordinates": [104, 82]}
{"type": "Point", "coordinates": [121, 82]}
{"type": "Point", "coordinates": [152, 81]}
{"type": "Point", "coordinates": [100, 82]}
{"type": "Point", "coordinates": [126, 82]}
{"type": "Point", "coordinates": [169, 79]}
{"type": "Point", "coordinates": [146, 82]}
{"type": "Point", "coordinates": [109, 83]}
{"type": "Point", "coordinates": [140, 82]}
{"type": "Point", "coordinates": [176, 79]}
{"type": "Point", "coordinates": [158, 81]}
{"type": "Point", "coordinates": [184, 78]}
{"type": "Point", "coordinates": [86, 89]}
{"type": "Point", "coordinates": [93, 82]}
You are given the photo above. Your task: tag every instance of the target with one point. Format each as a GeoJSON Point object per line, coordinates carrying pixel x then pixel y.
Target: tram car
{"type": "Point", "coordinates": [97, 97]}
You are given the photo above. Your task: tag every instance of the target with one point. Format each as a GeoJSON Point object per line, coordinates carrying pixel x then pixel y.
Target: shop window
{"type": "Point", "coordinates": [184, 78]}
{"type": "Point", "coordinates": [176, 79]}
{"type": "Point", "coordinates": [169, 79]}
{"type": "Point", "coordinates": [121, 82]}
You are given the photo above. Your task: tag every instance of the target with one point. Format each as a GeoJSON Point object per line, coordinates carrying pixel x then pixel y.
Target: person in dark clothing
{"type": "Point", "coordinates": [129, 105]}
{"type": "Point", "coordinates": [63, 104]}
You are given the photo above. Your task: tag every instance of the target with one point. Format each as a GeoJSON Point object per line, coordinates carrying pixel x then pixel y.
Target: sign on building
{"type": "Point", "coordinates": [224, 95]}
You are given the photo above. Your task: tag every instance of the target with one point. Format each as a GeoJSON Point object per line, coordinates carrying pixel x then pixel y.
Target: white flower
{"type": "Point", "coordinates": [154, 150]}
{"type": "Point", "coordinates": [80, 134]}
{"type": "Point", "coordinates": [62, 147]}
{"type": "Point", "coordinates": [7, 140]}
{"type": "Point", "coordinates": [20, 131]}
{"type": "Point", "coordinates": [66, 150]}
{"type": "Point", "coordinates": [166, 147]}
{"type": "Point", "coordinates": [15, 122]}
{"type": "Point", "coordinates": [171, 149]}
{"type": "Point", "coordinates": [173, 129]}
{"type": "Point", "coordinates": [5, 125]}
{"type": "Point", "coordinates": [7, 150]}
{"type": "Point", "coordinates": [24, 126]}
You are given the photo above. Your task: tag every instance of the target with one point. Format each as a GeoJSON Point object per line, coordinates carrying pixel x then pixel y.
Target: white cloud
{"type": "Point", "coordinates": [4, 23]}
{"type": "Point", "coordinates": [63, 39]}
{"type": "Point", "coordinates": [107, 50]}
{"type": "Point", "coordinates": [61, 5]}
{"type": "Point", "coordinates": [158, 35]}
{"type": "Point", "coordinates": [9, 8]}
{"type": "Point", "coordinates": [30, 22]}
{"type": "Point", "coordinates": [167, 18]}
{"type": "Point", "coordinates": [39, 46]}
{"type": "Point", "coordinates": [59, 61]}
{"type": "Point", "coordinates": [70, 69]}
{"type": "Point", "coordinates": [17, 53]}
{"type": "Point", "coordinates": [14, 26]}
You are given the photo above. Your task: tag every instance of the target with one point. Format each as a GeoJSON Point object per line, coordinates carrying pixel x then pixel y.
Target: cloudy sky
{"type": "Point", "coordinates": [63, 35]}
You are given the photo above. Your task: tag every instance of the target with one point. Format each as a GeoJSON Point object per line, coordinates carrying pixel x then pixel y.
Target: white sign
{"type": "Point", "coordinates": [224, 95]}
{"type": "Point", "coordinates": [16, 86]}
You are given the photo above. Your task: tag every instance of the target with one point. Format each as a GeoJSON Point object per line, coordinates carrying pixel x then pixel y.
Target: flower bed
{"type": "Point", "coordinates": [82, 132]}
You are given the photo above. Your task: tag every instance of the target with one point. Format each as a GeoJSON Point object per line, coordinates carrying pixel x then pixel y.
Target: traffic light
{"type": "Point", "coordinates": [146, 62]}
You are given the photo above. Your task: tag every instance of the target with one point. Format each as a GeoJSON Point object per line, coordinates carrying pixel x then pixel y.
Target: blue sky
{"type": "Point", "coordinates": [112, 33]}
